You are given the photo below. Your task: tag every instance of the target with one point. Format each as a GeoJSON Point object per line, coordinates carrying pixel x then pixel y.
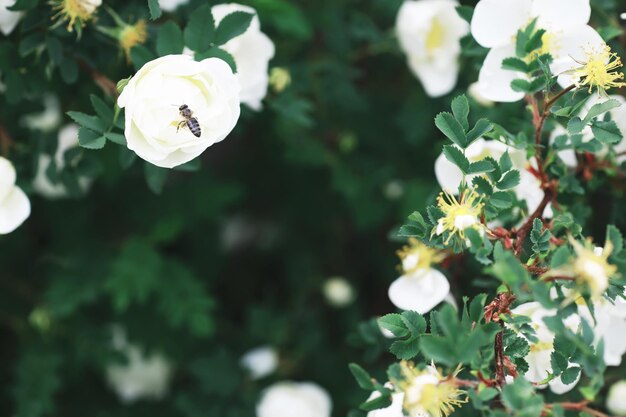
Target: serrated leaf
{"type": "Point", "coordinates": [103, 110]}
{"type": "Point", "coordinates": [606, 132]}
{"type": "Point", "coordinates": [231, 26]}
{"type": "Point", "coordinates": [481, 128]}
{"type": "Point", "coordinates": [455, 155]}
{"type": "Point", "coordinates": [155, 9]}
{"type": "Point", "coordinates": [362, 377]}
{"type": "Point", "coordinates": [450, 127]}
{"type": "Point", "coordinates": [480, 167]}
{"type": "Point", "coordinates": [394, 323]}
{"type": "Point", "coordinates": [89, 139]}
{"type": "Point", "coordinates": [460, 110]}
{"type": "Point", "coordinates": [85, 120]}
{"type": "Point", "coordinates": [521, 86]}
{"type": "Point", "coordinates": [505, 162]}
{"type": "Point", "coordinates": [405, 349]}
{"type": "Point", "coordinates": [414, 322]}
{"type": "Point", "coordinates": [599, 109]}
{"type": "Point", "coordinates": [215, 52]}
{"type": "Point", "coordinates": [117, 138]}
{"type": "Point", "coordinates": [501, 200]}
{"type": "Point", "coordinates": [169, 39]}
{"type": "Point", "coordinates": [200, 31]}
{"type": "Point", "coordinates": [383, 401]}
{"type": "Point", "coordinates": [575, 125]}
{"type": "Point", "coordinates": [509, 180]}
{"type": "Point", "coordinates": [570, 375]}
{"type": "Point", "coordinates": [614, 236]}
{"type": "Point", "coordinates": [483, 186]}
{"type": "Point", "coordinates": [514, 64]}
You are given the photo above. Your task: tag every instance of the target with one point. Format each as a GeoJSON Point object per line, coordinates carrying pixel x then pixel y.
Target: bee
{"type": "Point", "coordinates": [190, 121]}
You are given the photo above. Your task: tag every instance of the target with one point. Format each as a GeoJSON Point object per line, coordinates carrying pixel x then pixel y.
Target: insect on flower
{"type": "Point", "coordinates": [190, 121]}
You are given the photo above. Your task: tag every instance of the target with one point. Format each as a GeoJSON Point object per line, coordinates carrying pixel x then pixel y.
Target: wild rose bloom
{"type": "Point", "coordinates": [252, 51]}
{"type": "Point", "coordinates": [14, 204]}
{"type": "Point", "coordinates": [288, 399]}
{"type": "Point", "coordinates": [616, 399]}
{"type": "Point", "coordinates": [495, 24]}
{"type": "Point", "coordinates": [151, 100]}
{"type": "Point", "coordinates": [429, 32]}
{"type": "Point", "coordinates": [260, 362]}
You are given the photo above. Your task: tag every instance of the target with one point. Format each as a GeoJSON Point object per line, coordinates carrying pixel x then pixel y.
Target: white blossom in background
{"type": "Point", "coordinates": [67, 139]}
{"type": "Point", "coordinates": [294, 399]}
{"type": "Point", "coordinates": [338, 292]}
{"type": "Point", "coordinates": [495, 24]}
{"type": "Point", "coordinates": [393, 190]}
{"type": "Point", "coordinates": [47, 120]}
{"type": "Point", "coordinates": [171, 5]}
{"type": "Point", "coordinates": [141, 377]}
{"type": "Point", "coordinates": [609, 325]}
{"type": "Point", "coordinates": [8, 18]}
{"type": "Point", "coordinates": [151, 99]}
{"type": "Point", "coordinates": [474, 92]}
{"type": "Point", "coordinates": [539, 365]}
{"type": "Point", "coordinates": [420, 287]}
{"type": "Point", "coordinates": [14, 204]}
{"type": "Point", "coordinates": [429, 32]}
{"type": "Point", "coordinates": [252, 52]}
{"type": "Point", "coordinates": [394, 410]}
{"type": "Point", "coordinates": [260, 362]}
{"type": "Point", "coordinates": [616, 398]}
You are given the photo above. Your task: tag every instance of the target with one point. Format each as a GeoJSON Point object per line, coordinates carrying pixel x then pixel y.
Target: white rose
{"type": "Point", "coordinates": [429, 32]}
{"type": "Point", "coordinates": [8, 18]}
{"type": "Point", "coordinates": [141, 377]}
{"type": "Point", "coordinates": [338, 292]}
{"type": "Point", "coordinates": [260, 362]}
{"type": "Point", "coordinates": [14, 204]}
{"type": "Point", "coordinates": [294, 399]}
{"type": "Point", "coordinates": [252, 51]}
{"type": "Point", "coordinates": [171, 5]}
{"type": "Point", "coordinates": [67, 139]}
{"type": "Point", "coordinates": [495, 24]}
{"type": "Point", "coordinates": [420, 291]}
{"type": "Point", "coordinates": [47, 120]}
{"type": "Point", "coordinates": [616, 399]}
{"type": "Point", "coordinates": [153, 95]}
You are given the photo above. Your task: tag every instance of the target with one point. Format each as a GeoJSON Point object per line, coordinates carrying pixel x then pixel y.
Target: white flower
{"type": "Point", "coordinates": [495, 24]}
{"type": "Point", "coordinates": [171, 5]}
{"type": "Point", "coordinates": [67, 139]}
{"type": "Point", "coordinates": [449, 175]}
{"type": "Point", "coordinates": [616, 399]}
{"type": "Point", "coordinates": [151, 100]}
{"type": "Point", "coordinates": [252, 52]}
{"type": "Point", "coordinates": [47, 120]}
{"type": "Point", "coordinates": [420, 292]}
{"type": "Point", "coordinates": [141, 377]}
{"type": "Point", "coordinates": [429, 32]}
{"type": "Point", "coordinates": [14, 204]}
{"type": "Point", "coordinates": [8, 18]}
{"type": "Point", "coordinates": [394, 410]}
{"type": "Point", "coordinates": [294, 399]}
{"type": "Point", "coordinates": [260, 362]}
{"type": "Point", "coordinates": [539, 365]}
{"type": "Point", "coordinates": [529, 190]}
{"type": "Point", "coordinates": [338, 292]}
{"type": "Point", "coordinates": [474, 92]}
{"type": "Point", "coordinates": [609, 325]}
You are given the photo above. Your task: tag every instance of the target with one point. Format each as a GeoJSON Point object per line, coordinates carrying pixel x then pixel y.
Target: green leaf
{"type": "Point", "coordinates": [89, 139]}
{"type": "Point", "coordinates": [599, 109]}
{"type": "Point", "coordinates": [614, 236]}
{"type": "Point", "coordinates": [155, 9]}
{"type": "Point", "coordinates": [69, 71]}
{"type": "Point", "coordinates": [609, 32]}
{"type": "Point", "coordinates": [606, 132]}
{"type": "Point", "coordinates": [505, 162]}
{"type": "Point", "coordinates": [215, 52]}
{"type": "Point", "coordinates": [140, 55]}
{"type": "Point", "coordinates": [231, 26]}
{"type": "Point", "coordinates": [466, 12]}
{"type": "Point", "coordinates": [438, 349]}
{"type": "Point", "coordinates": [460, 109]}
{"type": "Point", "coordinates": [117, 138]}
{"type": "Point", "coordinates": [570, 375]}
{"type": "Point", "coordinates": [169, 39]}
{"type": "Point", "coordinates": [501, 200]}
{"type": "Point", "coordinates": [394, 323]}
{"type": "Point", "coordinates": [514, 64]}
{"type": "Point", "coordinates": [23, 5]}
{"type": "Point", "coordinates": [450, 127]}
{"type": "Point", "coordinates": [521, 86]}
{"type": "Point", "coordinates": [103, 110]}
{"type": "Point", "coordinates": [479, 167]}
{"type": "Point", "coordinates": [509, 180]}
{"type": "Point", "coordinates": [416, 227]}
{"type": "Point", "coordinates": [85, 120]}
{"type": "Point", "coordinates": [481, 128]}
{"type": "Point", "coordinates": [455, 155]}
{"type": "Point", "coordinates": [405, 349]}
{"type": "Point", "coordinates": [414, 322]}
{"type": "Point", "coordinates": [155, 177]}
{"type": "Point", "coordinates": [483, 186]}
{"type": "Point", "coordinates": [383, 401]}
{"type": "Point", "coordinates": [362, 377]}
{"type": "Point", "coordinates": [55, 49]}
{"type": "Point", "coordinates": [200, 30]}
{"type": "Point", "coordinates": [535, 41]}
{"type": "Point", "coordinates": [575, 125]}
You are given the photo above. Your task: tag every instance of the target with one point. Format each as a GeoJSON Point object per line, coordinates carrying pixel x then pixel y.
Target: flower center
{"type": "Point", "coordinates": [73, 10]}
{"type": "Point", "coordinates": [435, 36]}
{"type": "Point", "coordinates": [417, 256]}
{"type": "Point", "coordinates": [458, 215]}
{"type": "Point", "coordinates": [133, 35]}
{"type": "Point", "coordinates": [599, 70]}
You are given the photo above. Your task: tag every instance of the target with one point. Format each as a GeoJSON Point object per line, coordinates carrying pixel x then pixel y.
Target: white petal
{"type": "Point", "coordinates": [615, 341]}
{"type": "Point", "coordinates": [8, 18]}
{"type": "Point", "coordinates": [436, 79]}
{"type": "Point", "coordinates": [394, 410]}
{"type": "Point", "coordinates": [571, 46]}
{"type": "Point", "coordinates": [496, 22]}
{"type": "Point", "coordinates": [494, 83]}
{"type": "Point", "coordinates": [558, 387]}
{"type": "Point", "coordinates": [14, 209]}
{"type": "Point", "coordinates": [7, 177]}
{"type": "Point", "coordinates": [561, 14]}
{"type": "Point", "coordinates": [419, 294]}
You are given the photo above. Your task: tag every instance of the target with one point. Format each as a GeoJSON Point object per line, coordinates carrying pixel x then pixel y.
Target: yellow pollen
{"type": "Point", "coordinates": [599, 71]}
{"type": "Point", "coordinates": [417, 255]}
{"type": "Point", "coordinates": [74, 10]}
{"type": "Point", "coordinates": [459, 215]}
{"type": "Point", "coordinates": [435, 36]}
{"type": "Point", "coordinates": [133, 35]}
{"type": "Point", "coordinates": [541, 346]}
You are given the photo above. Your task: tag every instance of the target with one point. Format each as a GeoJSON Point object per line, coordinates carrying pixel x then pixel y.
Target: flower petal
{"type": "Point", "coordinates": [419, 293]}
{"type": "Point", "coordinates": [496, 22]}
{"type": "Point", "coordinates": [570, 47]}
{"type": "Point", "coordinates": [561, 14]}
{"type": "Point", "coordinates": [436, 79]}
{"type": "Point", "coordinates": [14, 210]}
{"type": "Point", "coordinates": [494, 83]}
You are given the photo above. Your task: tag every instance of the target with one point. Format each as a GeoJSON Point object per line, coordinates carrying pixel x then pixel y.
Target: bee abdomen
{"type": "Point", "coordinates": [194, 126]}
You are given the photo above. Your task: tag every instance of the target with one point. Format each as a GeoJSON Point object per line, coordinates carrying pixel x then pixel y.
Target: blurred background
{"type": "Point", "coordinates": [235, 255]}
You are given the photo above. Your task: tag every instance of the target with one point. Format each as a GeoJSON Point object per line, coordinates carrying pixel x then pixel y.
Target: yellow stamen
{"type": "Point", "coordinates": [599, 71]}
{"type": "Point", "coordinates": [74, 11]}
{"type": "Point", "coordinates": [459, 215]}
{"type": "Point", "coordinates": [133, 35]}
{"type": "Point", "coordinates": [435, 36]}
{"type": "Point", "coordinates": [417, 256]}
